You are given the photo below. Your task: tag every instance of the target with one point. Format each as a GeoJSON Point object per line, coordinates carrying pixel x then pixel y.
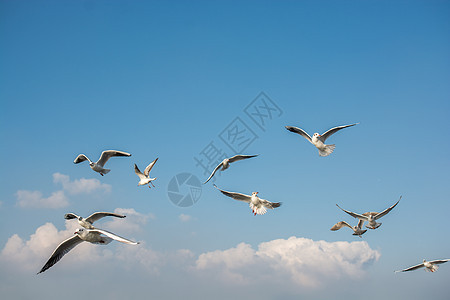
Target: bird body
{"type": "Point", "coordinates": [99, 165]}
{"type": "Point", "coordinates": [225, 164]}
{"type": "Point", "coordinates": [94, 236]}
{"type": "Point", "coordinates": [357, 230]}
{"type": "Point", "coordinates": [371, 217]}
{"type": "Point", "coordinates": [144, 178]}
{"type": "Point", "coordinates": [430, 266]}
{"type": "Point", "coordinates": [318, 140]}
{"type": "Point", "coordinates": [259, 206]}
{"type": "Point", "coordinates": [89, 221]}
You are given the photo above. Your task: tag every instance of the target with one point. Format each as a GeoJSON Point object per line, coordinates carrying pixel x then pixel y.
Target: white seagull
{"type": "Point", "coordinates": [87, 222]}
{"type": "Point", "coordinates": [94, 236]}
{"type": "Point", "coordinates": [371, 217]}
{"type": "Point", "coordinates": [145, 177]}
{"type": "Point", "coordinates": [356, 229]}
{"type": "Point", "coordinates": [430, 266]}
{"type": "Point", "coordinates": [225, 164]}
{"type": "Point", "coordinates": [98, 166]}
{"type": "Point", "coordinates": [319, 140]}
{"type": "Point", "coordinates": [259, 206]}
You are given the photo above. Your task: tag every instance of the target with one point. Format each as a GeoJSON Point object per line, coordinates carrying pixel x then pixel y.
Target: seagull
{"type": "Point", "coordinates": [225, 164]}
{"type": "Point", "coordinates": [356, 229]}
{"type": "Point", "coordinates": [98, 166]}
{"type": "Point", "coordinates": [94, 236]}
{"type": "Point", "coordinates": [371, 217]}
{"type": "Point", "coordinates": [319, 140]}
{"type": "Point", "coordinates": [430, 266]}
{"type": "Point", "coordinates": [145, 178]}
{"type": "Point", "coordinates": [259, 206]}
{"type": "Point", "coordinates": [87, 223]}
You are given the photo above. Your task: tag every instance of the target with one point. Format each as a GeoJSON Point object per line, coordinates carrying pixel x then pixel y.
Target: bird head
{"type": "Point", "coordinates": [254, 193]}
{"type": "Point", "coordinates": [78, 231]}
{"type": "Point", "coordinates": [91, 163]}
{"type": "Point", "coordinates": [316, 135]}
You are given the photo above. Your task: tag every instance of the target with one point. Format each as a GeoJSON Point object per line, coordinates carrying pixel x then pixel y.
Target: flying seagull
{"type": "Point", "coordinates": [98, 166]}
{"type": "Point", "coordinates": [145, 178]}
{"type": "Point", "coordinates": [87, 222]}
{"type": "Point", "coordinates": [225, 164]}
{"type": "Point", "coordinates": [356, 229]}
{"type": "Point", "coordinates": [319, 140]}
{"type": "Point", "coordinates": [430, 266]}
{"type": "Point", "coordinates": [94, 236]}
{"type": "Point", "coordinates": [259, 206]}
{"type": "Point", "coordinates": [371, 217]}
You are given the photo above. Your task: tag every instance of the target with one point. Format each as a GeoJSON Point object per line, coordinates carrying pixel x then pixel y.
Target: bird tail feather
{"type": "Point", "coordinates": [328, 150]}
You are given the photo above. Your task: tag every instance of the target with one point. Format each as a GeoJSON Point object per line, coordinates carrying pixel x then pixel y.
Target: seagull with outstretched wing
{"type": "Point", "coordinates": [94, 236]}
{"type": "Point", "coordinates": [371, 217]}
{"type": "Point", "coordinates": [144, 178]}
{"type": "Point", "coordinates": [430, 266]}
{"type": "Point", "coordinates": [225, 164]}
{"type": "Point", "coordinates": [98, 166]}
{"type": "Point", "coordinates": [357, 230]}
{"type": "Point", "coordinates": [318, 140]}
{"type": "Point", "coordinates": [259, 206]}
{"type": "Point", "coordinates": [89, 221]}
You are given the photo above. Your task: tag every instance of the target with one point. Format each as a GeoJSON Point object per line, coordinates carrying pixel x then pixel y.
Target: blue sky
{"type": "Point", "coordinates": [164, 79]}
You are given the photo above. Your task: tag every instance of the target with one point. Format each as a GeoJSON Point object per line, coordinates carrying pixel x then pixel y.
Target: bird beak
{"type": "Point", "coordinates": [257, 193]}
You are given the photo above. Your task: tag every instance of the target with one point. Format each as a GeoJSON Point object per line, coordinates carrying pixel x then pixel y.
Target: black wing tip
{"type": "Point", "coordinates": [290, 128]}
{"type": "Point", "coordinates": [69, 216]}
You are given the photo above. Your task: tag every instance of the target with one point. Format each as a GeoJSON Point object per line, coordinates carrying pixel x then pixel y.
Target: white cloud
{"type": "Point", "coordinates": [303, 262]}
{"type": "Point", "coordinates": [58, 199]}
{"type": "Point", "coordinates": [30, 255]}
{"type": "Point", "coordinates": [34, 199]}
{"type": "Point", "coordinates": [133, 222]}
{"type": "Point", "coordinates": [295, 264]}
{"type": "Point", "coordinates": [79, 186]}
{"type": "Point", "coordinates": [184, 218]}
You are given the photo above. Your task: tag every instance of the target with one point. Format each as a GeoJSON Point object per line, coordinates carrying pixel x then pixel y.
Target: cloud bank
{"type": "Point", "coordinates": [294, 263]}
{"type": "Point", "coordinates": [58, 199]}
{"type": "Point", "coordinates": [301, 261]}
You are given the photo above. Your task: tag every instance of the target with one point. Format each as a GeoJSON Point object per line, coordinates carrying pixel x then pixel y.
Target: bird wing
{"type": "Point", "coordinates": [355, 215]}
{"type": "Point", "coordinates": [360, 223]}
{"type": "Point", "coordinates": [138, 172]}
{"type": "Point", "coordinates": [114, 236]}
{"type": "Point", "coordinates": [240, 157]}
{"type": "Point", "coordinates": [387, 210]}
{"type": "Point", "coordinates": [411, 268]}
{"type": "Point", "coordinates": [439, 261]}
{"type": "Point", "coordinates": [98, 215]}
{"type": "Point", "coordinates": [149, 167]}
{"type": "Point", "coordinates": [236, 196]}
{"type": "Point", "coordinates": [70, 216]}
{"type": "Point", "coordinates": [81, 158]}
{"type": "Point", "coordinates": [299, 131]}
{"type": "Point", "coordinates": [270, 205]}
{"type": "Point", "coordinates": [108, 154]}
{"type": "Point", "coordinates": [60, 251]}
{"type": "Point", "coordinates": [213, 172]}
{"type": "Point", "coordinates": [339, 225]}
{"type": "Point", "coordinates": [332, 131]}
